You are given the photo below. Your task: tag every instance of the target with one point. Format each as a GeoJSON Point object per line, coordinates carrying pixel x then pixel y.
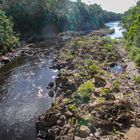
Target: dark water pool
{"type": "Point", "coordinates": [23, 85]}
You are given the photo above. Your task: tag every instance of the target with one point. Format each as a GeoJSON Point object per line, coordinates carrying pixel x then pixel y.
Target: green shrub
{"type": "Point", "coordinates": [73, 107]}
{"type": "Point", "coordinates": [137, 59]}
{"type": "Point", "coordinates": [137, 40]}
{"type": "Point", "coordinates": [135, 54]}
{"type": "Point", "coordinates": [85, 91]}
{"type": "Point", "coordinates": [117, 85]}
{"type": "Point", "coordinates": [104, 91]}
{"type": "Point", "coordinates": [101, 100]}
{"type": "Point", "coordinates": [8, 39]}
{"type": "Point", "coordinates": [87, 87]}
{"type": "Point", "coordinates": [93, 69]}
{"type": "Point", "coordinates": [137, 79]}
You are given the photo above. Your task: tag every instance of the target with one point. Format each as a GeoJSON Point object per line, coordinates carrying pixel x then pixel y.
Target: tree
{"type": "Point", "coordinates": [8, 39]}
{"type": "Point", "coordinates": [131, 23]}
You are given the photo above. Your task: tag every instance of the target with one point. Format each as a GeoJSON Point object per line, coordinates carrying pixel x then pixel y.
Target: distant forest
{"type": "Point", "coordinates": [63, 14]}
{"type": "Point", "coordinates": [27, 17]}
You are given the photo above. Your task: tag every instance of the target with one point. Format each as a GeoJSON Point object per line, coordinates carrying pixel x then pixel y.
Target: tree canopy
{"type": "Point", "coordinates": [8, 39]}
{"type": "Point", "coordinates": [131, 23]}
{"type": "Point", "coordinates": [33, 15]}
{"type": "Point", "coordinates": [28, 17]}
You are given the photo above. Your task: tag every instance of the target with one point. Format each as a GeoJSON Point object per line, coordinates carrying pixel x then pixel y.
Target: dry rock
{"type": "Point", "coordinates": [84, 131]}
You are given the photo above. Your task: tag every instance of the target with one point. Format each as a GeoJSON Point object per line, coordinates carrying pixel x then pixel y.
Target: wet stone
{"type": "Point", "coordinates": [100, 82]}
{"type": "Point", "coordinates": [51, 94]}
{"type": "Point", "coordinates": [42, 134]}
{"type": "Point", "coordinates": [51, 84]}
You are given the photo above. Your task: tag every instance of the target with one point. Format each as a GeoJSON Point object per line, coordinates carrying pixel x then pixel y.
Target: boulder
{"type": "Point", "coordinates": [118, 95]}
{"type": "Point", "coordinates": [84, 131]}
{"type": "Point", "coordinates": [42, 134]}
{"type": "Point", "coordinates": [99, 82]}
{"type": "Point", "coordinates": [54, 131]}
{"type": "Point", "coordinates": [51, 85]}
{"type": "Point", "coordinates": [5, 59]}
{"type": "Point", "coordinates": [61, 121]}
{"type": "Point", "coordinates": [51, 94]}
{"type": "Point", "coordinates": [133, 134]}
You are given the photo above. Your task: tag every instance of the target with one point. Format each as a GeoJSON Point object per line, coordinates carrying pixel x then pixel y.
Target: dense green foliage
{"type": "Point", "coordinates": [56, 15]}
{"type": "Point", "coordinates": [8, 39]}
{"type": "Point", "coordinates": [46, 17]}
{"type": "Point", "coordinates": [131, 22]}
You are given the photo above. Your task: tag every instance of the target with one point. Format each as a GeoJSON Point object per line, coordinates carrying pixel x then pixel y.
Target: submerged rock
{"type": "Point", "coordinates": [51, 94]}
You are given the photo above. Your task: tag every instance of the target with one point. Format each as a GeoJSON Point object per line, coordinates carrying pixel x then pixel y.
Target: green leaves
{"type": "Point", "coordinates": [131, 22]}
{"type": "Point", "coordinates": [8, 39]}
{"type": "Point", "coordinates": [34, 15]}
{"type": "Point", "coordinates": [85, 90]}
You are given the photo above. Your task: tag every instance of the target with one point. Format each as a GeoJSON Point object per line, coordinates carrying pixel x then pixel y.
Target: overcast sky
{"type": "Point", "coordinates": [118, 6]}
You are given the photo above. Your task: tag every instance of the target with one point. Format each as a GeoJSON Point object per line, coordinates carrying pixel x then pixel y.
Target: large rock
{"type": "Point", "coordinates": [51, 94]}
{"type": "Point", "coordinates": [54, 131]}
{"type": "Point", "coordinates": [49, 119]}
{"type": "Point", "coordinates": [99, 82]}
{"type": "Point", "coordinates": [133, 134]}
{"type": "Point", "coordinates": [5, 59]}
{"type": "Point", "coordinates": [118, 95]}
{"type": "Point", "coordinates": [84, 131]}
{"type": "Point", "coordinates": [42, 134]}
{"type": "Point", "coordinates": [50, 85]}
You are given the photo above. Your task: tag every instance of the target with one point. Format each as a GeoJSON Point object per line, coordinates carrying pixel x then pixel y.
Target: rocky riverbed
{"type": "Point", "coordinates": [92, 100]}
{"type": "Point", "coordinates": [96, 96]}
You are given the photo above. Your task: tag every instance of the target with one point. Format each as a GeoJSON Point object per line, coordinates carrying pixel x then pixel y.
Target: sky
{"type": "Point", "coordinates": [118, 6]}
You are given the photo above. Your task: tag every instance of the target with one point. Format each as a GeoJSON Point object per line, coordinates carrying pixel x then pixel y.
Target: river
{"type": "Point", "coordinates": [118, 30]}
{"type": "Point", "coordinates": [23, 84]}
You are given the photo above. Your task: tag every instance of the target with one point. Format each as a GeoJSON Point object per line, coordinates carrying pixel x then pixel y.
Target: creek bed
{"type": "Point", "coordinates": [24, 95]}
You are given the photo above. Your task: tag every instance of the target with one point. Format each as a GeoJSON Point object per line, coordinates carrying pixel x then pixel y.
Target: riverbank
{"type": "Point", "coordinates": [95, 96]}
{"type": "Point", "coordinates": [25, 49]}
{"type": "Point", "coordinates": [132, 69]}
{"type": "Point", "coordinates": [14, 53]}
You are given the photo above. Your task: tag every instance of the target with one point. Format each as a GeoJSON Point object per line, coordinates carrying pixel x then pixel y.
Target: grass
{"type": "Point", "coordinates": [137, 79]}
{"type": "Point", "coordinates": [134, 54]}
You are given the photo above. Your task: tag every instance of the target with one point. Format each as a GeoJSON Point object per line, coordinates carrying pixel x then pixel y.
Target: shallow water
{"type": "Point", "coordinates": [23, 85]}
{"type": "Point", "coordinates": [118, 30]}
{"type": "Point", "coordinates": [116, 68]}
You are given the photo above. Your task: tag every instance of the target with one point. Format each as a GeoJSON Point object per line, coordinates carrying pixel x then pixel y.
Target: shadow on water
{"type": "Point", "coordinates": [23, 84]}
